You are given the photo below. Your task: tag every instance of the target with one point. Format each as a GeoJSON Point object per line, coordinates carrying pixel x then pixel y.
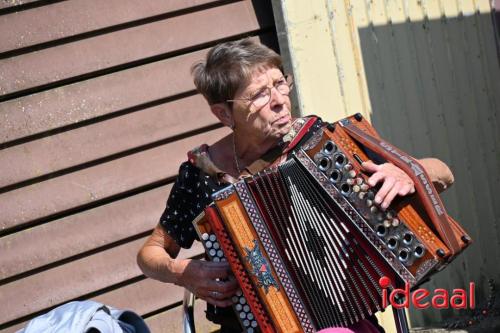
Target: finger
{"type": "Point", "coordinates": [219, 302]}
{"type": "Point", "coordinates": [406, 189]}
{"type": "Point", "coordinates": [370, 166]}
{"type": "Point", "coordinates": [390, 196]}
{"type": "Point", "coordinates": [377, 177]}
{"type": "Point", "coordinates": [224, 287]}
{"type": "Point", "coordinates": [216, 270]}
{"type": "Point", "coordinates": [384, 190]}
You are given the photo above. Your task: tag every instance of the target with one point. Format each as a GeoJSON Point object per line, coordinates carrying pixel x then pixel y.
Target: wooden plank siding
{"type": "Point", "coordinates": [97, 111]}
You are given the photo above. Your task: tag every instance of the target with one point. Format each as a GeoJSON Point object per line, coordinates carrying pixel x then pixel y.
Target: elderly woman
{"type": "Point", "coordinates": [243, 83]}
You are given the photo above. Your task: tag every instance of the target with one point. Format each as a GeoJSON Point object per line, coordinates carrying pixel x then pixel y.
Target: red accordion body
{"type": "Point", "coordinates": [308, 245]}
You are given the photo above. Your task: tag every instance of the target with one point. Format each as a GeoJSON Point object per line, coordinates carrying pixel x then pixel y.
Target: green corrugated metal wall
{"type": "Point", "coordinates": [427, 75]}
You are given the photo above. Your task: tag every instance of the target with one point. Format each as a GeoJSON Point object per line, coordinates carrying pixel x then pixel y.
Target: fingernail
{"type": "Point", "coordinates": [378, 200]}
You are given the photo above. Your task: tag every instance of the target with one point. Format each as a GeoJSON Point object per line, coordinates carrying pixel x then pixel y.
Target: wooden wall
{"type": "Point", "coordinates": [97, 110]}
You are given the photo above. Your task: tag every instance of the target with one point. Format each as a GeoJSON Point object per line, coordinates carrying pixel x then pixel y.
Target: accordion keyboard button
{"type": "Point", "coordinates": [208, 244]}
{"type": "Point", "coordinates": [213, 238]}
{"type": "Point", "coordinates": [246, 308]}
{"type": "Point", "coordinates": [204, 236]}
{"type": "Point", "coordinates": [216, 246]}
{"type": "Point", "coordinates": [212, 252]}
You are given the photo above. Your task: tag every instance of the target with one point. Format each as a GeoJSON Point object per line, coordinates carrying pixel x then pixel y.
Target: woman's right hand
{"type": "Point", "coordinates": [210, 281]}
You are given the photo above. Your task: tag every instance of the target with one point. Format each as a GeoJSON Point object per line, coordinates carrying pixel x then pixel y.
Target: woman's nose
{"type": "Point", "coordinates": [277, 98]}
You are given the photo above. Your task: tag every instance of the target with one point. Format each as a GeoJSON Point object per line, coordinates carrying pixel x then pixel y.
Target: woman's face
{"type": "Point", "coordinates": [273, 120]}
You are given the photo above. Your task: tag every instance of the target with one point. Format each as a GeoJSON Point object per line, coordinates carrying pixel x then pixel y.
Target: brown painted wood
{"type": "Point", "coordinates": [44, 24]}
{"type": "Point", "coordinates": [104, 95]}
{"type": "Point", "coordinates": [128, 45]}
{"type": "Point", "coordinates": [15, 3]}
{"type": "Point", "coordinates": [89, 143]}
{"type": "Point", "coordinates": [101, 96]}
{"type": "Point", "coordinates": [79, 277]}
{"type": "Point", "coordinates": [98, 182]}
{"type": "Point", "coordinates": [79, 233]}
{"type": "Point", "coordinates": [171, 321]}
{"type": "Point", "coordinates": [143, 297]}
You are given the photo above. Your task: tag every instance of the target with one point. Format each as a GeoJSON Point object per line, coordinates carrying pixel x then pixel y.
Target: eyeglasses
{"type": "Point", "coordinates": [263, 96]}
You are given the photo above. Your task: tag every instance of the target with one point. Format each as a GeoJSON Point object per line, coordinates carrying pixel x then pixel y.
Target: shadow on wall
{"type": "Point", "coordinates": [434, 91]}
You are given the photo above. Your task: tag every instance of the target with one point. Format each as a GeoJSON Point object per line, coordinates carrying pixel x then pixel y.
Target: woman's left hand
{"type": "Point", "coordinates": [394, 182]}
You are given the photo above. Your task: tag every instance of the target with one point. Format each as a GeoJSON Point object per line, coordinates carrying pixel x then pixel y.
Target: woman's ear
{"type": "Point", "coordinates": [223, 113]}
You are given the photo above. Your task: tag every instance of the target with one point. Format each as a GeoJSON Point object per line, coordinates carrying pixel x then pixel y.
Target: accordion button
{"type": "Point", "coordinates": [216, 259]}
{"type": "Point", "coordinates": [356, 188]}
{"type": "Point", "coordinates": [204, 236]}
{"type": "Point", "coordinates": [235, 299]}
{"type": "Point", "coordinates": [250, 330]}
{"type": "Point", "coordinates": [246, 322]}
{"type": "Point", "coordinates": [254, 323]}
{"type": "Point", "coordinates": [212, 238]}
{"type": "Point", "coordinates": [395, 222]}
{"type": "Point", "coordinates": [212, 253]}
{"type": "Point", "coordinates": [246, 308]}
{"type": "Point", "coordinates": [243, 300]}
{"type": "Point", "coordinates": [243, 315]}
{"type": "Point", "coordinates": [208, 244]}
{"type": "Point", "coordinates": [351, 174]}
{"type": "Point", "coordinates": [369, 202]}
{"type": "Point", "coordinates": [348, 167]}
{"type": "Point", "coordinates": [238, 307]}
{"type": "Point", "coordinates": [359, 181]}
{"type": "Point", "coordinates": [364, 187]}
{"type": "Point", "coordinates": [250, 316]}
{"type": "Point", "coordinates": [220, 254]}
{"type": "Point", "coordinates": [216, 245]}
{"type": "Point", "coordinates": [370, 195]}
{"type": "Point", "coordinates": [387, 223]}
{"type": "Point", "coordinates": [373, 209]}
{"type": "Point", "coordinates": [362, 195]}
{"type": "Point", "coordinates": [239, 293]}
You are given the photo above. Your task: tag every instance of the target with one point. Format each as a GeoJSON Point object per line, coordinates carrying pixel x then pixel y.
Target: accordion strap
{"type": "Point", "coordinates": [425, 189]}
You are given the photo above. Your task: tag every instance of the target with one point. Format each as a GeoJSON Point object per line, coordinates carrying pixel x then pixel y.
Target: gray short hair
{"type": "Point", "coordinates": [228, 66]}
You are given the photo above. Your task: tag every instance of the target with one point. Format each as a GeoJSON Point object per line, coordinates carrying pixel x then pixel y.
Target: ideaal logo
{"type": "Point", "coordinates": [423, 298]}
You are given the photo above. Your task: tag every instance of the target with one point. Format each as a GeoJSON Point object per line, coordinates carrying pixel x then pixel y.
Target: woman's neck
{"type": "Point", "coordinates": [247, 150]}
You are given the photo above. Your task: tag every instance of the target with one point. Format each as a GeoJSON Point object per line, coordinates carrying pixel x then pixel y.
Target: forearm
{"type": "Point", "coordinates": [157, 258]}
{"type": "Point", "coordinates": [157, 264]}
{"type": "Point", "coordinates": [439, 173]}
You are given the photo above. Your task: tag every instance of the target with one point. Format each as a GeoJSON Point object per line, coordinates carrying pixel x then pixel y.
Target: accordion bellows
{"type": "Point", "coordinates": [308, 245]}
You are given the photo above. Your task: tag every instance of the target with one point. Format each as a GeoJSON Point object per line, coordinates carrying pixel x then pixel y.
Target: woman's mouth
{"type": "Point", "coordinates": [283, 120]}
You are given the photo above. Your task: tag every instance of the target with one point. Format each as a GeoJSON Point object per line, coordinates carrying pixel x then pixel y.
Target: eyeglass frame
{"type": "Point", "coordinates": [288, 82]}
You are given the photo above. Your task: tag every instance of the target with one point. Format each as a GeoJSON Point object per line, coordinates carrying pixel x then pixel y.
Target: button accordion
{"type": "Point", "coordinates": [307, 243]}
